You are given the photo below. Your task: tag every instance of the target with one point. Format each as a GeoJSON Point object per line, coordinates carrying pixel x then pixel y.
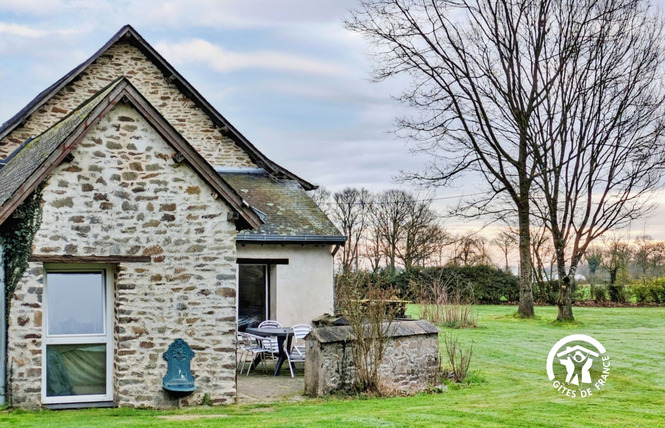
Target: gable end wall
{"type": "Point", "coordinates": [123, 195]}
{"type": "Point", "coordinates": [123, 59]}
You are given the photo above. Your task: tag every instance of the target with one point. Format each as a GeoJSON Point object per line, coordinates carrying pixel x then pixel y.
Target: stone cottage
{"type": "Point", "coordinates": [159, 221]}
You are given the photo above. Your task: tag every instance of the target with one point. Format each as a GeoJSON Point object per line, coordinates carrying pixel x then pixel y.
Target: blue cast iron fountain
{"type": "Point", "coordinates": [179, 379]}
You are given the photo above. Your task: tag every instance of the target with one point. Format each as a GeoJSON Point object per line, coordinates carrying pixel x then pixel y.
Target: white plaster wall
{"type": "Point", "coordinates": [303, 289]}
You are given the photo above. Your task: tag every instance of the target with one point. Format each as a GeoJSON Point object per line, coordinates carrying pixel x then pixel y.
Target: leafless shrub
{"type": "Point", "coordinates": [439, 305]}
{"type": "Point", "coordinates": [368, 309]}
{"type": "Point", "coordinates": [458, 357]}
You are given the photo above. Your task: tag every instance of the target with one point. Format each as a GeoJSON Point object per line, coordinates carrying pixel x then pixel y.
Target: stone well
{"type": "Point", "coordinates": [410, 362]}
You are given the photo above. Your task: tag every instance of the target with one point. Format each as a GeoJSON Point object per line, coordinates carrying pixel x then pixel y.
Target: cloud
{"type": "Point", "coordinates": [221, 60]}
{"type": "Point", "coordinates": [236, 13]}
{"type": "Point", "coordinates": [64, 9]}
{"type": "Point", "coordinates": [35, 33]}
{"type": "Point", "coordinates": [347, 91]}
{"type": "Point", "coordinates": [37, 7]}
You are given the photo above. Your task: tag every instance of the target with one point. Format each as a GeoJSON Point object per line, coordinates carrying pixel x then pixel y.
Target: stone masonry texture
{"type": "Point", "coordinates": [122, 194]}
{"type": "Point", "coordinates": [123, 59]}
{"type": "Point", "coordinates": [410, 362]}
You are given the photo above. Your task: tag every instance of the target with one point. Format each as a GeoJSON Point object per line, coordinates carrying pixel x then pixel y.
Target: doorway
{"type": "Point", "coordinates": [253, 295]}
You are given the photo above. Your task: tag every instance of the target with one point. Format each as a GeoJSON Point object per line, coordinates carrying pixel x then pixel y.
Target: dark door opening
{"type": "Point", "coordinates": [253, 295]}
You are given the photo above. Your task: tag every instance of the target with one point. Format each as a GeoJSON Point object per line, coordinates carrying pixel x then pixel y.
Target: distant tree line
{"type": "Point", "coordinates": [616, 269]}
{"type": "Point", "coordinates": [397, 230]}
{"type": "Point", "coordinates": [397, 235]}
{"type": "Point", "coordinates": [620, 269]}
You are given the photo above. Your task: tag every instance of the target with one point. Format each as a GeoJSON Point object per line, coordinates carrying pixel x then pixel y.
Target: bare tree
{"type": "Point", "coordinates": [506, 240]}
{"type": "Point", "coordinates": [403, 229]}
{"type": "Point", "coordinates": [615, 255]}
{"type": "Point", "coordinates": [373, 246]}
{"type": "Point", "coordinates": [422, 234]}
{"type": "Point", "coordinates": [475, 69]}
{"type": "Point", "coordinates": [598, 134]}
{"type": "Point", "coordinates": [648, 256]}
{"type": "Point", "coordinates": [470, 250]}
{"type": "Point", "coordinates": [389, 214]}
{"type": "Point", "coordinates": [350, 212]}
{"type": "Point", "coordinates": [556, 103]}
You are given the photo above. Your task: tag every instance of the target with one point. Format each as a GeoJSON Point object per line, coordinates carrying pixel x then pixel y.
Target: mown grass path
{"type": "Point", "coordinates": [509, 353]}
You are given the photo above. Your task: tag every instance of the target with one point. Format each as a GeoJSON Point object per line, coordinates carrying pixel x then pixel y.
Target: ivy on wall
{"type": "Point", "coordinates": [16, 236]}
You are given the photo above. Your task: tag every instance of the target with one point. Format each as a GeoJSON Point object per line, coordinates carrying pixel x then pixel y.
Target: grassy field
{"type": "Point", "coordinates": [508, 353]}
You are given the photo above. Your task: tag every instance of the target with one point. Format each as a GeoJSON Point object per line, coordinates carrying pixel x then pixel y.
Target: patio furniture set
{"type": "Point", "coordinates": [271, 340]}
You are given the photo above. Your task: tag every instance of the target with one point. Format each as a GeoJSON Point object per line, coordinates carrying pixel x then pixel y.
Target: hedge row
{"type": "Point", "coordinates": [485, 284]}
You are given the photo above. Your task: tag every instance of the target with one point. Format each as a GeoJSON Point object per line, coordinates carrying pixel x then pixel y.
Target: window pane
{"type": "Point", "coordinates": [75, 370]}
{"type": "Point", "coordinates": [251, 294]}
{"type": "Point", "coordinates": [75, 303]}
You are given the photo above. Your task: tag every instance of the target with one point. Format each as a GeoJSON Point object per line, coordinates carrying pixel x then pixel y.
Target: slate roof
{"type": "Point", "coordinates": [33, 162]}
{"type": "Point", "coordinates": [32, 155]}
{"type": "Point", "coordinates": [289, 214]}
{"type": "Point", "coordinates": [129, 35]}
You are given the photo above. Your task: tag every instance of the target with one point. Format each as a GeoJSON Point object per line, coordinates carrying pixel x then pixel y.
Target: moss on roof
{"type": "Point", "coordinates": [285, 207]}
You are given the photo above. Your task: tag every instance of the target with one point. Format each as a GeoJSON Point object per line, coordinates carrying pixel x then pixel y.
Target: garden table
{"type": "Point", "coordinates": [282, 334]}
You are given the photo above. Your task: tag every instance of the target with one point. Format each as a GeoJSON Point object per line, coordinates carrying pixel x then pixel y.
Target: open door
{"type": "Point", "coordinates": [253, 295]}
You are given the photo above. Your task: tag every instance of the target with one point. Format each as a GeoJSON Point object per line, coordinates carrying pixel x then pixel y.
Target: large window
{"type": "Point", "coordinates": [77, 334]}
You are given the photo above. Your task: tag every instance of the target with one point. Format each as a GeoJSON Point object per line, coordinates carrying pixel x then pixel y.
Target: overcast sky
{"type": "Point", "coordinates": [286, 73]}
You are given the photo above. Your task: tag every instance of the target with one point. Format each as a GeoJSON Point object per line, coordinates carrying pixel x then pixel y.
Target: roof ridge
{"type": "Point", "coordinates": [128, 32]}
{"type": "Point", "coordinates": [44, 96]}
{"type": "Point", "coordinates": [38, 158]}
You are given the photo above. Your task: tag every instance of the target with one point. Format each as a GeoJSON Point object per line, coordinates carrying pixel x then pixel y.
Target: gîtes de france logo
{"type": "Point", "coordinates": [587, 366]}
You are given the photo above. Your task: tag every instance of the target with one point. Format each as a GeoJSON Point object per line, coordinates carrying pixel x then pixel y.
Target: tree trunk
{"type": "Point", "coordinates": [565, 298]}
{"type": "Point", "coordinates": [613, 275]}
{"type": "Point", "coordinates": [565, 301]}
{"type": "Point", "coordinates": [526, 293]}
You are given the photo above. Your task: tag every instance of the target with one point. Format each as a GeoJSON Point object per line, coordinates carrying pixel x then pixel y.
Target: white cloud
{"type": "Point", "coordinates": [37, 7]}
{"type": "Point", "coordinates": [237, 13]}
{"type": "Point", "coordinates": [221, 60]}
{"type": "Point", "coordinates": [34, 33]}
{"type": "Point", "coordinates": [63, 8]}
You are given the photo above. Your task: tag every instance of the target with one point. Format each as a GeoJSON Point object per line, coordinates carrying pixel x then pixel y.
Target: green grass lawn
{"type": "Point", "coordinates": [509, 353]}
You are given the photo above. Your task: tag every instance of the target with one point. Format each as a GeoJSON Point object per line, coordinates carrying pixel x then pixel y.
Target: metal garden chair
{"type": "Point", "coordinates": [271, 342]}
{"type": "Point", "coordinates": [254, 346]}
{"type": "Point", "coordinates": [297, 352]}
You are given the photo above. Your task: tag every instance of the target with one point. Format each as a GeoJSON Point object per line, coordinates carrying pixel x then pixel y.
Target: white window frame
{"type": "Point", "coordinates": [105, 338]}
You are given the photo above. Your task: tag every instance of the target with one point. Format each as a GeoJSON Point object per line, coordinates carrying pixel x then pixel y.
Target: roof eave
{"type": "Point", "coordinates": [290, 239]}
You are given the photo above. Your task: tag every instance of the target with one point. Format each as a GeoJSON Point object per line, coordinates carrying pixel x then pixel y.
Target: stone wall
{"type": "Point", "coordinates": [123, 59]}
{"type": "Point", "coordinates": [410, 362]}
{"type": "Point", "coordinates": [123, 195]}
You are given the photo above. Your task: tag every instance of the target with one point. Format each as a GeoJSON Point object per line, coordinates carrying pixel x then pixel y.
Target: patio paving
{"type": "Point", "coordinates": [260, 387]}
